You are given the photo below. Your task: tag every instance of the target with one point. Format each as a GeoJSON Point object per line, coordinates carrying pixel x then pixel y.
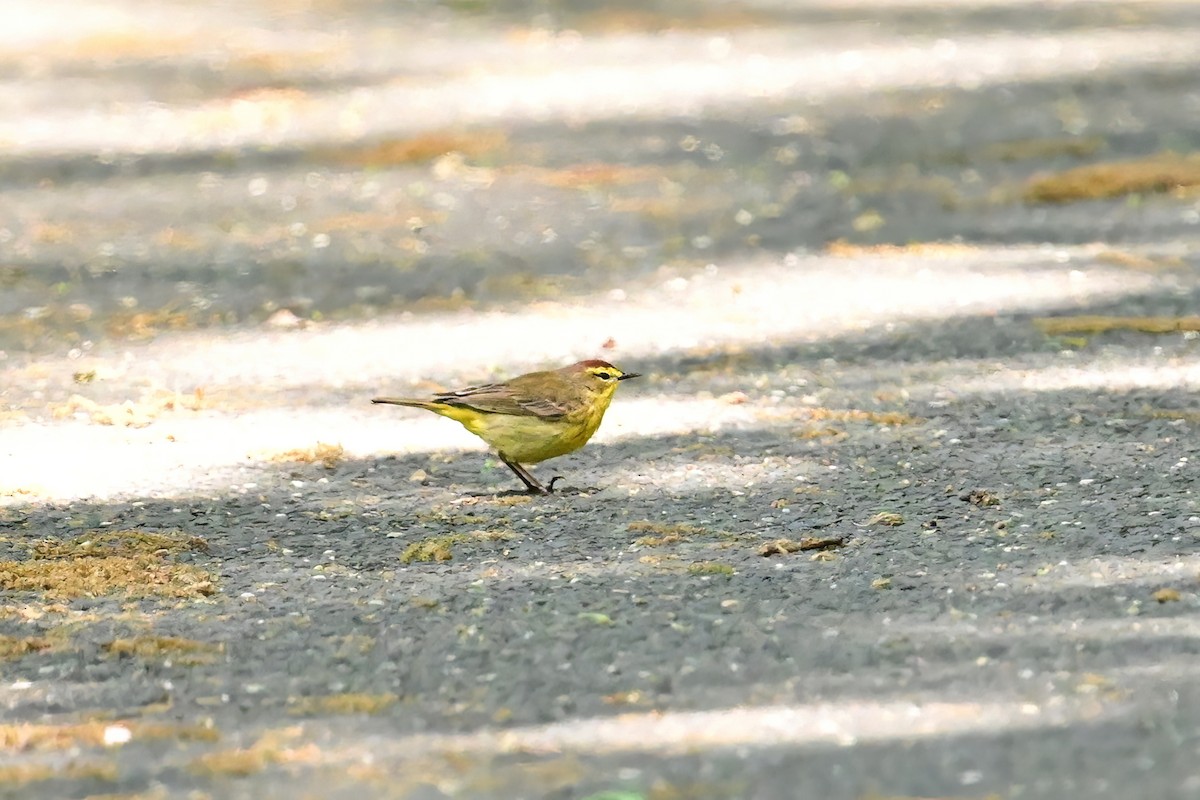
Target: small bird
{"type": "Point", "coordinates": [533, 417]}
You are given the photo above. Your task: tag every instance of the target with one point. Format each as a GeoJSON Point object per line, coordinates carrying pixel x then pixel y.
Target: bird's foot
{"type": "Point", "coordinates": [582, 490]}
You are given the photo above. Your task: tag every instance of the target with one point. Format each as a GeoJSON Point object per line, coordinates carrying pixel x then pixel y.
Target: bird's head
{"type": "Point", "coordinates": [599, 377]}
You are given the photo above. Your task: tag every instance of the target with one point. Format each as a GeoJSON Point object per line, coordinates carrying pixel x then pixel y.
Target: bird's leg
{"type": "Point", "coordinates": [531, 483]}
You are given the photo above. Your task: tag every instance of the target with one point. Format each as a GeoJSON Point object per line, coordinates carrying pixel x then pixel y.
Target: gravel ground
{"type": "Point", "coordinates": [879, 522]}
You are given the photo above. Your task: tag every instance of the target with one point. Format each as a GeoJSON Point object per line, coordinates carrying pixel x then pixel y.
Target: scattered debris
{"type": "Point", "coordinates": [441, 548]}
{"type": "Point", "coordinates": [1167, 596]}
{"type": "Point", "coordinates": [785, 546]}
{"type": "Point", "coordinates": [840, 248]}
{"type": "Point", "coordinates": [1163, 172]}
{"type": "Point", "coordinates": [1055, 326]}
{"type": "Point", "coordinates": [271, 749]}
{"type": "Point", "coordinates": [981, 497]}
{"type": "Point", "coordinates": [119, 543]}
{"type": "Point", "coordinates": [888, 518]}
{"type": "Point", "coordinates": [284, 319]}
{"type": "Point", "coordinates": [347, 703]}
{"type": "Point", "coordinates": [328, 455]}
{"type": "Point", "coordinates": [889, 418]}
{"type": "Point", "coordinates": [1139, 262]}
{"type": "Point", "coordinates": [13, 647]}
{"type": "Point", "coordinates": [663, 533]}
{"type": "Point", "coordinates": [1091, 682]}
{"type": "Point", "coordinates": [24, 736]}
{"type": "Point", "coordinates": [185, 652]}
{"type": "Point", "coordinates": [630, 698]}
{"type": "Point", "coordinates": [709, 568]}
{"type": "Point", "coordinates": [424, 147]}
{"type": "Point", "coordinates": [131, 563]}
{"type": "Point", "coordinates": [666, 528]}
{"type": "Point", "coordinates": [130, 413]}
{"type": "Point", "coordinates": [1045, 148]}
{"type": "Point", "coordinates": [1175, 415]}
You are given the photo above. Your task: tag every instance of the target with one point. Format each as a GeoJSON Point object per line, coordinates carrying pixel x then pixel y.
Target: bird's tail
{"type": "Point", "coordinates": [403, 401]}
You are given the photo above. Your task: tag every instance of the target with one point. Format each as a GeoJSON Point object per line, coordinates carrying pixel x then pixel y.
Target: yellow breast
{"type": "Point", "coordinates": [528, 440]}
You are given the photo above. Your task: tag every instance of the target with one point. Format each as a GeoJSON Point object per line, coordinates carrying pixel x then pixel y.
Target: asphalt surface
{"type": "Point", "coordinates": [878, 522]}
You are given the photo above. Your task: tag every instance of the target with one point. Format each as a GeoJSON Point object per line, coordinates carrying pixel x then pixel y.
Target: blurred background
{"type": "Point", "coordinates": [174, 165]}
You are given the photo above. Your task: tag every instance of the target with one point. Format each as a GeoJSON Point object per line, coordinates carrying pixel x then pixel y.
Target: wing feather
{"type": "Point", "coordinates": [496, 398]}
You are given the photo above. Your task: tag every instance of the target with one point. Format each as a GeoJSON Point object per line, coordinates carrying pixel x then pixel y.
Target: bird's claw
{"type": "Point", "coordinates": [550, 485]}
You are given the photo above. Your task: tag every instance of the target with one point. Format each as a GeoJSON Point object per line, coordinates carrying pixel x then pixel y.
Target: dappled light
{"type": "Point", "coordinates": [260, 397]}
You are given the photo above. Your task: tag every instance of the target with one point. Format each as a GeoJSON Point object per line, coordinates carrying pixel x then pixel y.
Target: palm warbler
{"type": "Point", "coordinates": [532, 417]}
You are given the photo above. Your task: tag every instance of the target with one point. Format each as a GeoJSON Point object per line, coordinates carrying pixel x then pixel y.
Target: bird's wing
{"type": "Point", "coordinates": [496, 398]}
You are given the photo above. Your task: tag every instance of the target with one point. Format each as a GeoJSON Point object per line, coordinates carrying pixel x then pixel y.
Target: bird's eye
{"type": "Point", "coordinates": [605, 376]}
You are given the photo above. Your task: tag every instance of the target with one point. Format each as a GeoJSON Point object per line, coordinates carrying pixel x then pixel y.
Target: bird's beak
{"type": "Point", "coordinates": [629, 375]}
